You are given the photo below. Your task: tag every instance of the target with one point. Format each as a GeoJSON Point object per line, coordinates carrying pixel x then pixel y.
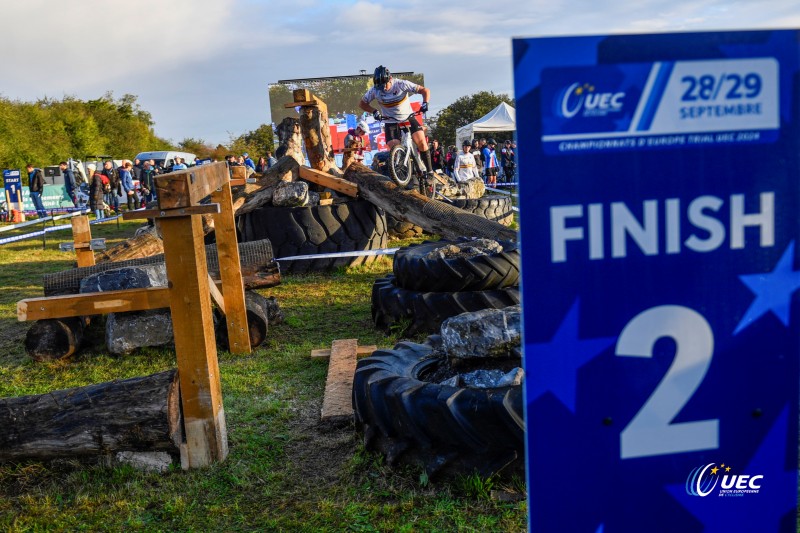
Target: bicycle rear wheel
{"type": "Point", "coordinates": [399, 165]}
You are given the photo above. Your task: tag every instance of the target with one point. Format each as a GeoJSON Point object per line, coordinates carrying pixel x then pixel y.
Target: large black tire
{"type": "Point", "coordinates": [400, 229]}
{"type": "Point", "coordinates": [425, 311]}
{"type": "Point", "coordinates": [344, 227]}
{"type": "Point", "coordinates": [447, 429]}
{"type": "Point", "coordinates": [415, 270]}
{"type": "Point", "coordinates": [497, 207]}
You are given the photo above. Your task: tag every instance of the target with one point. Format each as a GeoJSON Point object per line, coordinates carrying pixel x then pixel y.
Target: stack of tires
{"type": "Point", "coordinates": [355, 225]}
{"type": "Point", "coordinates": [427, 288]}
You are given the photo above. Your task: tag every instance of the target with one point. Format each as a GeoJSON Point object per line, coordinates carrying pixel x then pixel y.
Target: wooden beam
{"type": "Point", "coordinates": [195, 345]}
{"type": "Point", "coordinates": [337, 404]}
{"type": "Point", "coordinates": [361, 351]}
{"type": "Point", "coordinates": [81, 238]}
{"type": "Point", "coordinates": [301, 95]}
{"type": "Point", "coordinates": [231, 273]}
{"type": "Point", "coordinates": [326, 180]}
{"type": "Point", "coordinates": [95, 303]}
{"type": "Point", "coordinates": [204, 209]}
{"type": "Point", "coordinates": [185, 188]}
{"type": "Point", "coordinates": [216, 294]}
{"type": "Point", "coordinates": [302, 103]}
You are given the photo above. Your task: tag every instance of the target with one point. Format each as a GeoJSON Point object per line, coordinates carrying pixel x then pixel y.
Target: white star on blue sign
{"type": "Point", "coordinates": [553, 366]}
{"type": "Point", "coordinates": [773, 290]}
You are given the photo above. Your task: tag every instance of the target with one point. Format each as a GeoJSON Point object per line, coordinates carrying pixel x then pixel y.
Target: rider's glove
{"type": "Point", "coordinates": [377, 115]}
{"type": "Point", "coordinates": [424, 107]}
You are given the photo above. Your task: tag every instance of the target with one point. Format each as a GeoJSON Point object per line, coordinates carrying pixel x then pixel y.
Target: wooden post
{"type": "Point", "coordinates": [82, 235]}
{"type": "Point", "coordinates": [195, 346]}
{"type": "Point", "coordinates": [230, 272]}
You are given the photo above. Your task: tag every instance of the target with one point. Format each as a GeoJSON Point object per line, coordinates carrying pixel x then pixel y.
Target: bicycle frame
{"type": "Point", "coordinates": [411, 148]}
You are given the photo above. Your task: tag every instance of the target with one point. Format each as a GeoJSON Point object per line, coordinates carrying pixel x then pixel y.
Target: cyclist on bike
{"type": "Point", "coordinates": [392, 97]}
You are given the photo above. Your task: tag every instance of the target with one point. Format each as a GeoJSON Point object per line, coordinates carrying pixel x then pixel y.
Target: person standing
{"type": "Point", "coordinates": [179, 164]}
{"type": "Point", "coordinates": [476, 153]}
{"type": "Point", "coordinates": [261, 166]}
{"type": "Point", "coordinates": [490, 163]}
{"type": "Point", "coordinates": [147, 183]}
{"type": "Point", "coordinates": [271, 161]}
{"type": "Point", "coordinates": [248, 162]}
{"type": "Point", "coordinates": [114, 185]}
{"type": "Point", "coordinates": [392, 96]}
{"type": "Point", "coordinates": [96, 191]}
{"type": "Point", "coordinates": [126, 178]}
{"type": "Point", "coordinates": [507, 160]}
{"type": "Point", "coordinates": [36, 187]}
{"type": "Point", "coordinates": [437, 156]}
{"type": "Point", "coordinates": [69, 182]}
{"type": "Point", "coordinates": [464, 167]}
{"type": "Point", "coordinates": [354, 144]}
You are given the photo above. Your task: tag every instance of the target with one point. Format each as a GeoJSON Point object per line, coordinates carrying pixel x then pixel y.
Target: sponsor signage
{"type": "Point", "coordinates": [659, 191]}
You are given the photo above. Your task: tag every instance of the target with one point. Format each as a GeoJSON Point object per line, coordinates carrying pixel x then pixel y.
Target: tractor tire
{"type": "Point", "coordinates": [425, 311]}
{"type": "Point", "coordinates": [356, 225]}
{"type": "Point", "coordinates": [449, 430]}
{"type": "Point", "coordinates": [497, 207]}
{"type": "Point", "coordinates": [415, 270]}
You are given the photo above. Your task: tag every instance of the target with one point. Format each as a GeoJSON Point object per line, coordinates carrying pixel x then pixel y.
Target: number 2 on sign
{"type": "Point", "coordinates": [651, 432]}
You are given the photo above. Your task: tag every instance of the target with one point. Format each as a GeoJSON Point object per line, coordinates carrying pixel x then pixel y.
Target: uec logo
{"type": "Point", "coordinates": [703, 480]}
{"type": "Point", "coordinates": [583, 96]}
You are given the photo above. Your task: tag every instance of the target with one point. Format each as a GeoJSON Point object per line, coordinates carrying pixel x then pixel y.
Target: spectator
{"type": "Point", "coordinates": [464, 165]}
{"type": "Point", "coordinates": [437, 156]}
{"type": "Point", "coordinates": [271, 161]}
{"type": "Point", "coordinates": [261, 166]}
{"type": "Point", "coordinates": [126, 178]}
{"type": "Point", "coordinates": [69, 183]}
{"type": "Point", "coordinates": [476, 153]}
{"type": "Point", "coordinates": [147, 184]}
{"type": "Point", "coordinates": [490, 163]}
{"type": "Point", "coordinates": [248, 162]}
{"type": "Point", "coordinates": [36, 187]}
{"type": "Point", "coordinates": [96, 191]}
{"type": "Point", "coordinates": [507, 160]}
{"type": "Point", "coordinates": [450, 160]}
{"type": "Point", "coordinates": [179, 164]}
{"type": "Point", "coordinates": [136, 171]}
{"type": "Point", "coordinates": [354, 141]}
{"type": "Point", "coordinates": [114, 189]}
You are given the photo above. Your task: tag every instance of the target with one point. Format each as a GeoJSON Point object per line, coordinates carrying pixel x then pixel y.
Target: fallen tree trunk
{"type": "Point", "coordinates": [137, 414]}
{"type": "Point", "coordinates": [256, 259]}
{"type": "Point", "coordinates": [433, 216]}
{"type": "Point", "coordinates": [54, 338]}
{"type": "Point", "coordinates": [317, 135]}
{"type": "Point", "coordinates": [143, 245]}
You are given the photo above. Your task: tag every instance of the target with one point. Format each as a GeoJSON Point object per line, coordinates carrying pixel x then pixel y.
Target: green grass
{"type": "Point", "coordinates": [284, 472]}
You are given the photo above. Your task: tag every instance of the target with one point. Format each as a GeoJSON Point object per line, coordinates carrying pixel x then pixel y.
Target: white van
{"type": "Point", "coordinates": [166, 159]}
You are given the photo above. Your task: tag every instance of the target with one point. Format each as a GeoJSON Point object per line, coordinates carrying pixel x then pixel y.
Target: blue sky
{"type": "Point", "coordinates": [202, 67]}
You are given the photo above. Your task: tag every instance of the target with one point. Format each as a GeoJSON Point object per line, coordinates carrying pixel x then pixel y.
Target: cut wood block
{"type": "Point", "coordinates": [326, 180]}
{"type": "Point", "coordinates": [361, 351]}
{"type": "Point", "coordinates": [326, 201]}
{"type": "Point", "coordinates": [337, 405]}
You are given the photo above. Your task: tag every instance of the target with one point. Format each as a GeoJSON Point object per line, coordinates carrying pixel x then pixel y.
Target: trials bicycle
{"type": "Point", "coordinates": [405, 162]}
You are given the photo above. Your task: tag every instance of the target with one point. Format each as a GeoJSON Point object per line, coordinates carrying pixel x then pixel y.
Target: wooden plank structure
{"type": "Point", "coordinates": [337, 404]}
{"type": "Point", "coordinates": [188, 297]}
{"type": "Point", "coordinates": [81, 239]}
{"type": "Point", "coordinates": [361, 351]}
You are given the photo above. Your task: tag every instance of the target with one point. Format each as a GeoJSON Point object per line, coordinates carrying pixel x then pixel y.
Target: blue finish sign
{"type": "Point", "coordinates": [659, 190]}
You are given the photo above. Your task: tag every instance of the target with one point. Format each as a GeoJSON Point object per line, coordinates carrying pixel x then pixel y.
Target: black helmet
{"type": "Point", "coordinates": [381, 76]}
{"type": "Point", "coordinates": [491, 141]}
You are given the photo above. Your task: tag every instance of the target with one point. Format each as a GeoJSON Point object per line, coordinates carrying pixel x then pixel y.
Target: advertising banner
{"type": "Point", "coordinates": [659, 188]}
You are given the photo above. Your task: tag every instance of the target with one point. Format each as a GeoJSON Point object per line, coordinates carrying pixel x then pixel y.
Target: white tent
{"type": "Point", "coordinates": [501, 118]}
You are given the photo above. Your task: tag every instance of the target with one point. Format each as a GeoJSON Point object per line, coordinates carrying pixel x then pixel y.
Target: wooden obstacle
{"type": "Point", "coordinates": [188, 297]}
{"type": "Point", "coordinates": [337, 404]}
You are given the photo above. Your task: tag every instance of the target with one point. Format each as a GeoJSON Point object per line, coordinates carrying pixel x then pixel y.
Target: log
{"type": "Point", "coordinates": [54, 338]}
{"type": "Point", "coordinates": [290, 141]}
{"type": "Point", "coordinates": [136, 414]}
{"type": "Point", "coordinates": [432, 215]}
{"type": "Point", "coordinates": [143, 245]}
{"type": "Point", "coordinates": [317, 136]}
{"type": "Point", "coordinates": [257, 321]}
{"type": "Point", "coordinates": [256, 258]}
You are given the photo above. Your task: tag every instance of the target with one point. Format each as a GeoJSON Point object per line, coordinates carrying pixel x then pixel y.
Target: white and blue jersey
{"type": "Point", "coordinates": [394, 103]}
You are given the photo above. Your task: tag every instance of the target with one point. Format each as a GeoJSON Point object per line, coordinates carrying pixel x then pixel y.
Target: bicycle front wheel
{"type": "Point", "coordinates": [399, 165]}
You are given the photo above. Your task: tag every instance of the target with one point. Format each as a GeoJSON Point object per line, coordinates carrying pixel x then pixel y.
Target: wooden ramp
{"type": "Point", "coordinates": [337, 405]}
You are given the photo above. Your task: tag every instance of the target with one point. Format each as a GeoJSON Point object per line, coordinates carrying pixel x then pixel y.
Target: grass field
{"type": "Point", "coordinates": [284, 471]}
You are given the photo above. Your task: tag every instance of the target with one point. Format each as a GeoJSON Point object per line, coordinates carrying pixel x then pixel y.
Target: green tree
{"type": "Point", "coordinates": [256, 142]}
{"type": "Point", "coordinates": [466, 109]}
{"type": "Point", "coordinates": [198, 147]}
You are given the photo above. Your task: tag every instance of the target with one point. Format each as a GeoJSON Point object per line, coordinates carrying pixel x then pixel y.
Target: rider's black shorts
{"type": "Point", "coordinates": [393, 130]}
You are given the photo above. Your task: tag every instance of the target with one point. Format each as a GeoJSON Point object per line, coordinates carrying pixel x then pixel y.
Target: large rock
{"type": "Point", "coordinates": [470, 189]}
{"type": "Point", "coordinates": [290, 194]}
{"type": "Point", "coordinates": [126, 332]}
{"type": "Point", "coordinates": [485, 333]}
{"type": "Point", "coordinates": [138, 277]}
